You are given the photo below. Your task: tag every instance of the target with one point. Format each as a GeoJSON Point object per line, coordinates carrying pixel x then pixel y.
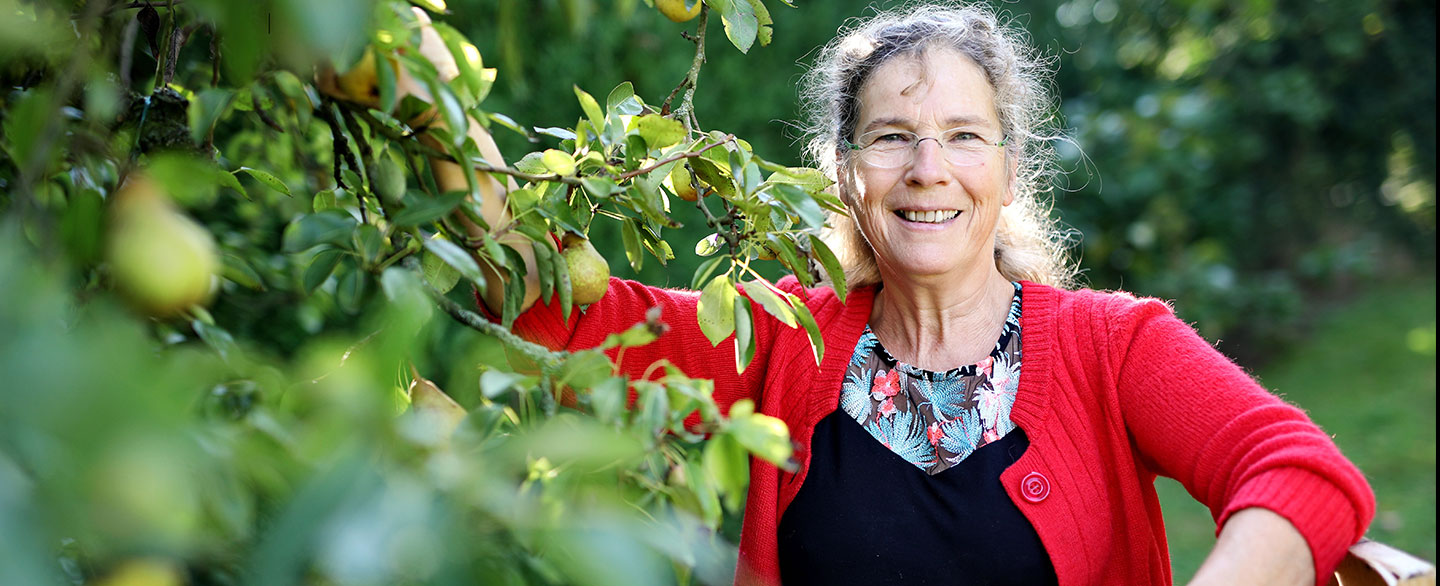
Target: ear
{"type": "Point", "coordinates": [1012, 179]}
{"type": "Point", "coordinates": [842, 179]}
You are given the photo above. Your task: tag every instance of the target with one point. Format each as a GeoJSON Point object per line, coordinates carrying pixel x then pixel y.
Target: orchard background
{"type": "Point", "coordinates": [1269, 165]}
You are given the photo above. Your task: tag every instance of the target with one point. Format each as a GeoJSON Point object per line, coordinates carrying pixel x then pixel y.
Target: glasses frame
{"type": "Point", "coordinates": [914, 148]}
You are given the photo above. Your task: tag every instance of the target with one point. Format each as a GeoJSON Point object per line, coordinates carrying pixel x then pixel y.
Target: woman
{"type": "Point", "coordinates": [974, 421]}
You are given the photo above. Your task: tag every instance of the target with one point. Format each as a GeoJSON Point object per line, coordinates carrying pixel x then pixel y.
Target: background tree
{"type": "Point", "coordinates": [1255, 162]}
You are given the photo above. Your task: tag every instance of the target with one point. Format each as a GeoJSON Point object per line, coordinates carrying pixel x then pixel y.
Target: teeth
{"type": "Point", "coordinates": [930, 217]}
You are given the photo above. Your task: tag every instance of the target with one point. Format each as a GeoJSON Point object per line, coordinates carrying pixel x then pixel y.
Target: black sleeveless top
{"type": "Point", "coordinates": [867, 516]}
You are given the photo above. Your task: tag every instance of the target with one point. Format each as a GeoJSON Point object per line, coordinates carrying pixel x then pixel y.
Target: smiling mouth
{"type": "Point", "coordinates": [928, 217]}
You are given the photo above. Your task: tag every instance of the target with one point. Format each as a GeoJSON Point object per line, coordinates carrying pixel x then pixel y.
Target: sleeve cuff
{"type": "Point", "coordinates": [1319, 510]}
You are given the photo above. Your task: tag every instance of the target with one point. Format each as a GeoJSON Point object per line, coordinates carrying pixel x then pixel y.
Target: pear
{"type": "Point", "coordinates": [675, 9]}
{"type": "Point", "coordinates": [680, 183]}
{"type": "Point", "coordinates": [589, 273]}
{"type": "Point", "coordinates": [161, 261]}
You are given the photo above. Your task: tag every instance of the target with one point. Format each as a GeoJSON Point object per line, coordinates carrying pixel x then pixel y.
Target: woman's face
{"type": "Point", "coordinates": [929, 217]}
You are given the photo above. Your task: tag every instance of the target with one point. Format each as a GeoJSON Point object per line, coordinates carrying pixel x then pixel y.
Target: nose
{"type": "Point", "coordinates": [927, 163]}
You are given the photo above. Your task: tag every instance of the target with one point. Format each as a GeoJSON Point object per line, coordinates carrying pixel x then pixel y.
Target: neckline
{"type": "Point", "coordinates": [1010, 328]}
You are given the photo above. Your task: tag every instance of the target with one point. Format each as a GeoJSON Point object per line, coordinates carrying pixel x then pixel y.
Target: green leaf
{"type": "Point", "coordinates": [456, 257]}
{"type": "Point", "coordinates": [714, 175]}
{"type": "Point", "coordinates": [494, 383]}
{"type": "Point", "coordinates": [350, 290]}
{"type": "Point", "coordinates": [269, 180]}
{"type": "Point", "coordinates": [207, 107]}
{"type": "Point", "coordinates": [230, 180]}
{"type": "Point", "coordinates": [658, 131]}
{"type": "Point", "coordinates": [321, 265]}
{"type": "Point", "coordinates": [591, 108]}
{"type": "Point", "coordinates": [545, 268]}
{"type": "Point", "coordinates": [436, 6]}
{"type": "Point", "coordinates": [726, 461]}
{"type": "Point", "coordinates": [817, 343]}
{"type": "Point", "coordinates": [607, 399]}
{"type": "Point", "coordinates": [599, 187]}
{"type": "Point", "coordinates": [708, 245]}
{"type": "Point", "coordinates": [744, 333]}
{"type": "Point", "coordinates": [801, 204]}
{"type": "Point", "coordinates": [216, 338]}
{"type": "Point", "coordinates": [453, 111]}
{"type": "Point", "coordinates": [716, 312]}
{"type": "Point", "coordinates": [585, 369]}
{"type": "Point", "coordinates": [765, 436]}
{"type": "Point", "coordinates": [558, 162]}
{"type": "Point", "coordinates": [368, 242]}
{"type": "Point", "coordinates": [438, 273]}
{"type": "Point", "coordinates": [762, 17]}
{"type": "Point", "coordinates": [562, 286]}
{"type": "Point", "coordinates": [774, 304]}
{"type": "Point", "coordinates": [783, 244]}
{"type": "Point", "coordinates": [741, 25]}
{"type": "Point", "coordinates": [621, 93]}
{"type": "Point", "coordinates": [239, 272]}
{"type": "Point", "coordinates": [637, 335]}
{"type": "Point", "coordinates": [631, 236]}
{"type": "Point", "coordinates": [706, 269]}
{"type": "Point", "coordinates": [327, 227]}
{"type": "Point", "coordinates": [385, 78]}
{"type": "Point", "coordinates": [831, 264]}
{"type": "Point", "coordinates": [421, 210]}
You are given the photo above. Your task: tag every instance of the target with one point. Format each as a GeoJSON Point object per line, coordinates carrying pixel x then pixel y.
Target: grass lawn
{"type": "Point", "coordinates": [1366, 374]}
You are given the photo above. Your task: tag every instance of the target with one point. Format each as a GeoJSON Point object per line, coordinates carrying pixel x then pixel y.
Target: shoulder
{"type": "Point", "coordinates": [1092, 304]}
{"type": "Point", "coordinates": [1096, 318]}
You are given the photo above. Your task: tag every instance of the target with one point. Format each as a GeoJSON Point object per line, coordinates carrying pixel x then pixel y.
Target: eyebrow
{"type": "Point", "coordinates": [952, 122]}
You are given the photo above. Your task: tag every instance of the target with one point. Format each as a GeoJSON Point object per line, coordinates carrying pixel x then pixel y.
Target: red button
{"type": "Point", "coordinates": [1035, 487]}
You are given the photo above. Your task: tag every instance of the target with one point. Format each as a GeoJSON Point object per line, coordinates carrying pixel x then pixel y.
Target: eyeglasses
{"type": "Point", "coordinates": [889, 148]}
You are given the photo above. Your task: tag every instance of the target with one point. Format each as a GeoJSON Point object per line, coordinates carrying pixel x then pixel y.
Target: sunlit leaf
{"type": "Point", "coordinates": [716, 313]}
{"type": "Point", "coordinates": [269, 180]}
{"type": "Point", "coordinates": [773, 303]}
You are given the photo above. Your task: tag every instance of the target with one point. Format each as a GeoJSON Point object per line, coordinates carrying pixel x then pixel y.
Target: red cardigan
{"type": "Point", "coordinates": [1114, 390]}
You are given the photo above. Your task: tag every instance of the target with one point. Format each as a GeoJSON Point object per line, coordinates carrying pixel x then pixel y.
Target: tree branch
{"type": "Point", "coordinates": [673, 158]}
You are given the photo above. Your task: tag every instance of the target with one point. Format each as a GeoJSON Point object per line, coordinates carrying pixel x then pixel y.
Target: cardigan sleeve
{"type": "Point", "coordinates": [625, 304]}
{"type": "Point", "coordinates": [1196, 416]}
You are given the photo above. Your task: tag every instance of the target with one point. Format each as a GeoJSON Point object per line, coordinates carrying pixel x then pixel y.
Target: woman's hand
{"type": "Point", "coordinates": [1257, 546]}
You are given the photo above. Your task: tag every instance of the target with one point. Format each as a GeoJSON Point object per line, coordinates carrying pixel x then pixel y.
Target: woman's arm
{"type": "Point", "coordinates": [1198, 418]}
{"type": "Point", "coordinates": [450, 176]}
{"type": "Point", "coordinates": [1258, 546]}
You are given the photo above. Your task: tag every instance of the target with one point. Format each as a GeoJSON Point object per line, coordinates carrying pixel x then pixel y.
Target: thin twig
{"type": "Point", "coordinates": [686, 111]}
{"type": "Point", "coordinates": [688, 83]}
{"type": "Point", "coordinates": [547, 359]}
{"type": "Point", "coordinates": [264, 116]}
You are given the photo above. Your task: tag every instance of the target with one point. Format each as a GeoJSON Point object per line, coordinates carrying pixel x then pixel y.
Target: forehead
{"type": "Point", "coordinates": [938, 88]}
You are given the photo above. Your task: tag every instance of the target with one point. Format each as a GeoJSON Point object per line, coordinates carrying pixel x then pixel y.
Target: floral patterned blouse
{"type": "Point", "coordinates": [934, 419]}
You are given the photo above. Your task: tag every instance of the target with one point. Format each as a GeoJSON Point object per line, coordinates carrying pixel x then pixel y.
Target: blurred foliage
{"type": "Point", "coordinates": [230, 234]}
{"type": "Point", "coordinates": [1249, 160]}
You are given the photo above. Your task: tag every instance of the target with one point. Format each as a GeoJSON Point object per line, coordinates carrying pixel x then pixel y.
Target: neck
{"type": "Point", "coordinates": [939, 324]}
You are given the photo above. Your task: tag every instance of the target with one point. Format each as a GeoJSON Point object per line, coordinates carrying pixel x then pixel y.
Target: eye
{"type": "Point", "coordinates": [892, 138]}
{"type": "Point", "coordinates": [891, 141]}
{"type": "Point", "coordinates": [963, 137]}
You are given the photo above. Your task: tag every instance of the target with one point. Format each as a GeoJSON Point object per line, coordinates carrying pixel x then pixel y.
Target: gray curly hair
{"type": "Point", "coordinates": [1029, 244]}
